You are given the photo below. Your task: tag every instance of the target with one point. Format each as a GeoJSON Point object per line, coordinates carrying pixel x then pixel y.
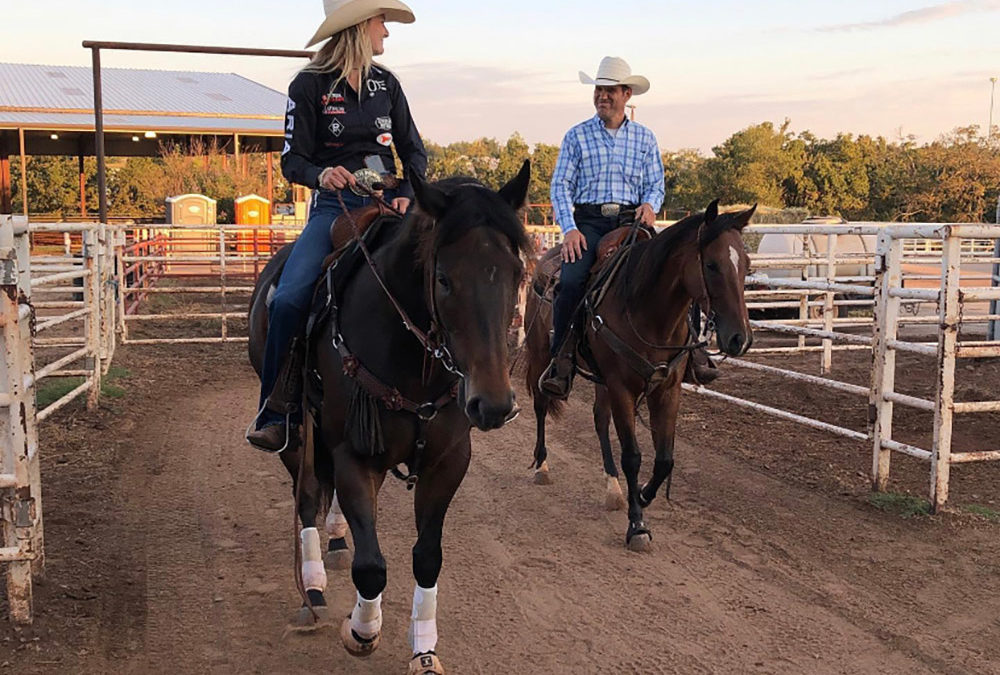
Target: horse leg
{"type": "Point", "coordinates": [433, 495]}
{"type": "Point", "coordinates": [357, 491]}
{"type": "Point", "coordinates": [540, 465]}
{"type": "Point", "coordinates": [638, 536]}
{"type": "Point", "coordinates": [313, 571]}
{"type": "Point", "coordinates": [614, 500]}
{"type": "Point", "coordinates": [338, 555]}
{"type": "Point", "coordinates": [663, 407]}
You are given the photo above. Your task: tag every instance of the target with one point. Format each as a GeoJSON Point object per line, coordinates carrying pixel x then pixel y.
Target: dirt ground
{"type": "Point", "coordinates": [169, 545]}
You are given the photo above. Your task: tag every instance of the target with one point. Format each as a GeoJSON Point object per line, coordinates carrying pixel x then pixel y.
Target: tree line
{"type": "Point", "coordinates": [955, 178]}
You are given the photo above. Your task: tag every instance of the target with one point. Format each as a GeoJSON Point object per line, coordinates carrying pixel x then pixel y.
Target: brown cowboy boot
{"type": "Point", "coordinates": [557, 380]}
{"type": "Point", "coordinates": [285, 400]}
{"type": "Point", "coordinates": [701, 370]}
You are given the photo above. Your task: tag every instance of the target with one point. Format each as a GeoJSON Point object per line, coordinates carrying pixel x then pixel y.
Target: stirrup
{"type": "Point", "coordinates": [253, 427]}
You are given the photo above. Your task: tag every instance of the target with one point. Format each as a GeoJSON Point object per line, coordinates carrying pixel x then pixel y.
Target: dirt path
{"type": "Point", "coordinates": [170, 551]}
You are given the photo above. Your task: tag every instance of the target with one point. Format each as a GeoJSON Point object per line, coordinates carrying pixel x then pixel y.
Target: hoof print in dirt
{"type": "Point", "coordinates": [305, 621]}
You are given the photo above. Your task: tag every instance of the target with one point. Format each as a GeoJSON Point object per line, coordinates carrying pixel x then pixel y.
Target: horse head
{"type": "Point", "coordinates": [471, 252]}
{"type": "Point", "coordinates": [718, 284]}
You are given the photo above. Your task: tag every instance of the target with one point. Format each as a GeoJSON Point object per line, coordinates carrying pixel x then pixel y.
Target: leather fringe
{"type": "Point", "coordinates": [364, 426]}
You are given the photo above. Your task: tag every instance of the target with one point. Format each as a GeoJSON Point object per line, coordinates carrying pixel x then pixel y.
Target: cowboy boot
{"type": "Point", "coordinates": [701, 370]}
{"type": "Point", "coordinates": [557, 380]}
{"type": "Point", "coordinates": [285, 400]}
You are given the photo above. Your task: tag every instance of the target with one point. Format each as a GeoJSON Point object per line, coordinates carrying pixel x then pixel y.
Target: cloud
{"type": "Point", "coordinates": [462, 83]}
{"type": "Point", "coordinates": [945, 10]}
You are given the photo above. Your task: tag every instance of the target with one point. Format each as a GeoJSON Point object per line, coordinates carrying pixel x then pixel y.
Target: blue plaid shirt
{"type": "Point", "coordinates": [595, 167]}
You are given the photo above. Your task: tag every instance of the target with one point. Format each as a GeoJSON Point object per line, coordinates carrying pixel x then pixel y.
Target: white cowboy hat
{"type": "Point", "coordinates": [614, 70]}
{"type": "Point", "coordinates": [341, 14]}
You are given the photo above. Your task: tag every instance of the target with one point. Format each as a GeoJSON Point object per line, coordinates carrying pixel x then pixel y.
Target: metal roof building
{"type": "Point", "coordinates": [49, 110]}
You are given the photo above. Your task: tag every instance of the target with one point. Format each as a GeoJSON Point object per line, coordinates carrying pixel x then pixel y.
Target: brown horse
{"type": "Point", "coordinates": [414, 354]}
{"type": "Point", "coordinates": [637, 339]}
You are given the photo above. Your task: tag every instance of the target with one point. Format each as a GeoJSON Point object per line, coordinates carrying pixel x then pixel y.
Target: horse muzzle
{"type": "Point", "coordinates": [737, 344]}
{"type": "Point", "coordinates": [491, 412]}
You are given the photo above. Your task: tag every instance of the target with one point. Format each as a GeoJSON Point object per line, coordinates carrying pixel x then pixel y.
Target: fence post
{"type": "Point", "coordinates": [993, 332]}
{"type": "Point", "coordinates": [16, 414]}
{"type": "Point", "coordinates": [949, 312]}
{"type": "Point", "coordinates": [828, 306]}
{"type": "Point", "coordinates": [107, 296]}
{"type": "Point", "coordinates": [92, 322]}
{"type": "Point", "coordinates": [888, 274]}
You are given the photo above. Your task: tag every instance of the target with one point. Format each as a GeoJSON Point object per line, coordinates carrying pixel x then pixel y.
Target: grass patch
{"type": "Point", "coordinates": [984, 511]}
{"type": "Point", "coordinates": [906, 506]}
{"type": "Point", "coordinates": [51, 390]}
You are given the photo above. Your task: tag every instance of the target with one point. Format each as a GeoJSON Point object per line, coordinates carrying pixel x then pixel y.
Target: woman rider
{"type": "Point", "coordinates": [344, 112]}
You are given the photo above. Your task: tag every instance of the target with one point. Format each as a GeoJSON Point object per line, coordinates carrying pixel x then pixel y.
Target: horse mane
{"type": "Point", "coordinates": [471, 205]}
{"type": "Point", "coordinates": [644, 269]}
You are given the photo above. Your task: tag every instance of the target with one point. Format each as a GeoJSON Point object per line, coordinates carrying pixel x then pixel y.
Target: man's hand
{"type": "Point", "coordinates": [645, 215]}
{"type": "Point", "coordinates": [574, 244]}
{"type": "Point", "coordinates": [336, 178]}
{"type": "Point", "coordinates": [401, 204]}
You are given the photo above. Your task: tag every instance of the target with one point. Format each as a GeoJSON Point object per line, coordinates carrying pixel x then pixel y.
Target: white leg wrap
{"type": "Point", "coordinates": [423, 620]}
{"type": "Point", "coordinates": [313, 572]}
{"type": "Point", "coordinates": [366, 619]}
{"type": "Point", "coordinates": [336, 524]}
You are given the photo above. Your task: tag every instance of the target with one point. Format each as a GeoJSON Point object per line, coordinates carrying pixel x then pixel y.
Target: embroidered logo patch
{"type": "Point", "coordinates": [336, 127]}
{"type": "Point", "coordinates": [384, 139]}
{"type": "Point", "coordinates": [376, 85]}
{"type": "Point", "coordinates": [332, 98]}
{"type": "Point", "coordinates": [426, 661]}
{"type": "Point", "coordinates": [334, 110]}
{"type": "Point", "coordinates": [383, 123]}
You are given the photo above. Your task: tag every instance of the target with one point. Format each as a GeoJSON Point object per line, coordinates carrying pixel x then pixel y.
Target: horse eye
{"type": "Point", "coordinates": [443, 282]}
{"type": "Point", "coordinates": [712, 266]}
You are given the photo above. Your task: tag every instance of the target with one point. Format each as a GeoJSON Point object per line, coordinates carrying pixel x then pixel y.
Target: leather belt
{"type": "Point", "coordinates": [609, 210]}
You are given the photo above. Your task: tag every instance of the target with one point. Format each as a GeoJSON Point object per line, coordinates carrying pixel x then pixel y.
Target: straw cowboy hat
{"type": "Point", "coordinates": [614, 70]}
{"type": "Point", "coordinates": [341, 14]}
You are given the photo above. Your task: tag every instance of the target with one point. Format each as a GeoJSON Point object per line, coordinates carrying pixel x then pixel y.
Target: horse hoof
{"type": "Point", "coordinates": [614, 500]}
{"type": "Point", "coordinates": [305, 621]}
{"type": "Point", "coordinates": [425, 664]}
{"type": "Point", "coordinates": [640, 543]}
{"type": "Point", "coordinates": [355, 645]}
{"type": "Point", "coordinates": [542, 475]}
{"type": "Point", "coordinates": [339, 560]}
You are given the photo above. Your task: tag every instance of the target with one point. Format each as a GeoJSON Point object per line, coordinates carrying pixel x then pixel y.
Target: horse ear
{"type": "Point", "coordinates": [515, 192]}
{"type": "Point", "coordinates": [712, 212]}
{"type": "Point", "coordinates": [743, 219]}
{"type": "Point", "coordinates": [431, 200]}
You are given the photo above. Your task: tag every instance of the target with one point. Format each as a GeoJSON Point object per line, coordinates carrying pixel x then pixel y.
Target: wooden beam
{"type": "Point", "coordinates": [6, 188]}
{"type": "Point", "coordinates": [24, 173]}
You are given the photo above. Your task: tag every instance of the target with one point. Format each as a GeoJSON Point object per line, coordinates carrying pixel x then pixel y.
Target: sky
{"type": "Point", "coordinates": [472, 69]}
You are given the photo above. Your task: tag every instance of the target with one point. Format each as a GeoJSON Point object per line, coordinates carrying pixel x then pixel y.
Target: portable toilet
{"type": "Point", "coordinates": [252, 210]}
{"type": "Point", "coordinates": [188, 211]}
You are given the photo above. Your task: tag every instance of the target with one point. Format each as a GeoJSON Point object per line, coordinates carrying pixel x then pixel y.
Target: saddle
{"type": "Point", "coordinates": [550, 265]}
{"type": "Point", "coordinates": [350, 224]}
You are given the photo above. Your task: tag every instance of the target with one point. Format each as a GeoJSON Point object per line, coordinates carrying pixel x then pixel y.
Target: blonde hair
{"type": "Point", "coordinates": [348, 50]}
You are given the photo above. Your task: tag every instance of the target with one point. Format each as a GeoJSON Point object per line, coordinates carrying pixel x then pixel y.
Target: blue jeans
{"type": "Point", "coordinates": [291, 302]}
{"type": "Point", "coordinates": [573, 279]}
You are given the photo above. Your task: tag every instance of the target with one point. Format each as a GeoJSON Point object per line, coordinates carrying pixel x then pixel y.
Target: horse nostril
{"type": "Point", "coordinates": [735, 344]}
{"type": "Point", "coordinates": [474, 408]}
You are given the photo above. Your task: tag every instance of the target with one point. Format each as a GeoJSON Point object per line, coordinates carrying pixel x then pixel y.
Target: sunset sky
{"type": "Point", "coordinates": [474, 69]}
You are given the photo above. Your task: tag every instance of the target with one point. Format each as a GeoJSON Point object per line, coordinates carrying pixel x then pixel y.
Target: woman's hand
{"type": "Point", "coordinates": [336, 178]}
{"type": "Point", "coordinates": [401, 204]}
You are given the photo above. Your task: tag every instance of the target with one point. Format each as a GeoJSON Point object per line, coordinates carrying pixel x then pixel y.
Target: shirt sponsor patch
{"type": "Point", "coordinates": [384, 139]}
{"type": "Point", "coordinates": [332, 97]}
{"type": "Point", "coordinates": [336, 127]}
{"type": "Point", "coordinates": [383, 123]}
{"type": "Point", "coordinates": [334, 110]}
{"type": "Point", "coordinates": [376, 85]}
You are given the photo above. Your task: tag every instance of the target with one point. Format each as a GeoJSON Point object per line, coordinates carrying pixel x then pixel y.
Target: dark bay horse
{"type": "Point", "coordinates": [638, 338]}
{"type": "Point", "coordinates": [416, 355]}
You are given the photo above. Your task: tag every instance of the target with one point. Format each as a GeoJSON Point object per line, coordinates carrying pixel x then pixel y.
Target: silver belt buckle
{"type": "Point", "coordinates": [609, 210]}
{"type": "Point", "coordinates": [367, 178]}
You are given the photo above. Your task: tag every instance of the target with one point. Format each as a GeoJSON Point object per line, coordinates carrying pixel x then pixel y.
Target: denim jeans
{"type": "Point", "coordinates": [289, 308]}
{"type": "Point", "coordinates": [573, 279]}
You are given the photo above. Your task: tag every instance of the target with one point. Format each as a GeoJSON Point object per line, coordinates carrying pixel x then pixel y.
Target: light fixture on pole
{"type": "Point", "coordinates": [989, 129]}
